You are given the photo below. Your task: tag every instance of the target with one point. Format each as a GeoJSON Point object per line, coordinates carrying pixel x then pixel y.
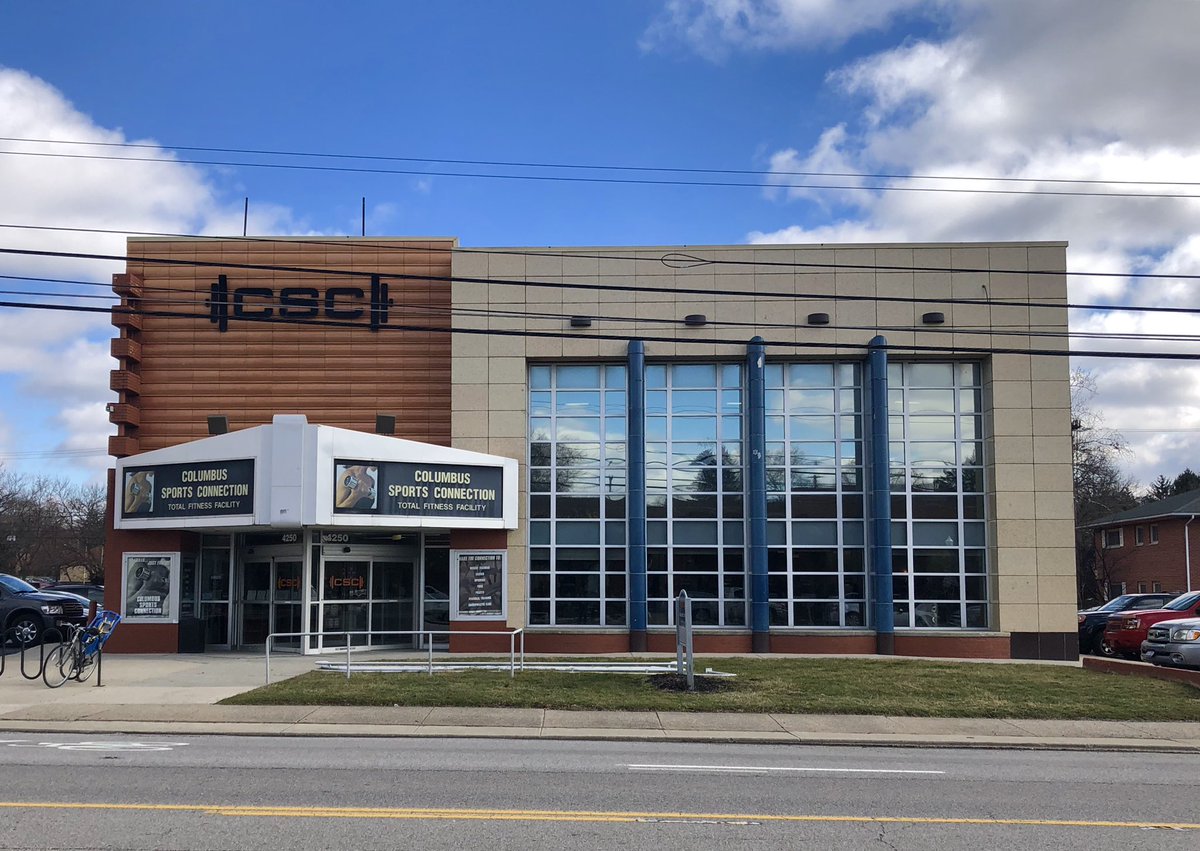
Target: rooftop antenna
{"type": "Point", "coordinates": [245, 214]}
{"type": "Point", "coordinates": [364, 215]}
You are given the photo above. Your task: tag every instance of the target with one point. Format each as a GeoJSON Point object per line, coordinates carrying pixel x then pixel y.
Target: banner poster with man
{"type": "Point", "coordinates": [150, 586]}
{"type": "Point", "coordinates": [479, 584]}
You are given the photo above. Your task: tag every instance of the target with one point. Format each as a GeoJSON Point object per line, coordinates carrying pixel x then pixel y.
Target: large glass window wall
{"type": "Point", "coordinates": [939, 547]}
{"type": "Point", "coordinates": [815, 528]}
{"type": "Point", "coordinates": [695, 504]}
{"type": "Point", "coordinates": [695, 494]}
{"type": "Point", "coordinates": [577, 495]}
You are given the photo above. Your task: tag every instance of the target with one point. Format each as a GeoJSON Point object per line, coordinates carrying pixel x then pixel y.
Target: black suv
{"type": "Point", "coordinates": [1092, 621]}
{"type": "Point", "coordinates": [26, 613]}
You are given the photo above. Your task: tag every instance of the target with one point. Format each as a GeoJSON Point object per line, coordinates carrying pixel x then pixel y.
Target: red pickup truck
{"type": "Point", "coordinates": [1125, 632]}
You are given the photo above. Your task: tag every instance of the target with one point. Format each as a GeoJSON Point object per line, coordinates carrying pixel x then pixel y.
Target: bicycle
{"type": "Point", "coordinates": [76, 658]}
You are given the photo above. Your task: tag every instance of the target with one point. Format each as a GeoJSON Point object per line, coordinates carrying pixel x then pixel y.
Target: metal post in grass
{"type": "Point", "coordinates": [683, 638]}
{"type": "Point", "coordinates": [347, 655]}
{"type": "Point", "coordinates": [429, 647]}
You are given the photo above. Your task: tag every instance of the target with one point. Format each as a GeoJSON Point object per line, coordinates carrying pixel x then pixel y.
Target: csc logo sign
{"type": "Point", "coordinates": [338, 303]}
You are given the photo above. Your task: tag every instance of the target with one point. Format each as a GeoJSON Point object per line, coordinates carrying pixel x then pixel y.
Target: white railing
{"type": "Point", "coordinates": [428, 636]}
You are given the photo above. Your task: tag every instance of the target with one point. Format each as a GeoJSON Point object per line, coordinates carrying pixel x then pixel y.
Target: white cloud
{"type": "Point", "coordinates": [55, 364]}
{"type": "Point", "coordinates": [714, 27]}
{"type": "Point", "coordinates": [1083, 89]}
{"type": "Point", "coordinates": [86, 426]}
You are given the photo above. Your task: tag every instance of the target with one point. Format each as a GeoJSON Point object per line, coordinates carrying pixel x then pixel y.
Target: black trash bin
{"type": "Point", "coordinates": [191, 635]}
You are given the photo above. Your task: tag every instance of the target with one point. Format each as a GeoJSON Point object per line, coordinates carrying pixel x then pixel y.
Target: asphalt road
{"type": "Point", "coordinates": [129, 792]}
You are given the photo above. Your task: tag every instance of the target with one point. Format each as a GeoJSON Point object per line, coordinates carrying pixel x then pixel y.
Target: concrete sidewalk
{"type": "Point", "coordinates": [176, 695]}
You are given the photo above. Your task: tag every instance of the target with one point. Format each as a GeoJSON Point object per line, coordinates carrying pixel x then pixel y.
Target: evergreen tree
{"type": "Point", "coordinates": [1185, 482]}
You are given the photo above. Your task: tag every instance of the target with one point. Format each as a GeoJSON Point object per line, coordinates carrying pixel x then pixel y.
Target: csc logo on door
{"type": "Point", "coordinates": [357, 583]}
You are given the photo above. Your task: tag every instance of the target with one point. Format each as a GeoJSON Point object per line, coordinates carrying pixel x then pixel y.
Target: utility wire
{"type": "Point", "coordinates": [599, 167]}
{"type": "Point", "coordinates": [562, 285]}
{"type": "Point", "coordinates": [627, 181]}
{"type": "Point", "coordinates": [1012, 330]}
{"type": "Point", "coordinates": [502, 332]}
{"type": "Point", "coordinates": [672, 259]}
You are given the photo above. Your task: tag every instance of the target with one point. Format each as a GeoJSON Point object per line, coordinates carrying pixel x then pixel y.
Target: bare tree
{"type": "Point", "coordinates": [49, 527]}
{"type": "Point", "coordinates": [1101, 488]}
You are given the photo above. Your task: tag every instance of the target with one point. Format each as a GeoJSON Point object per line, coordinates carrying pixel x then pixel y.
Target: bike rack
{"type": "Point", "coordinates": [41, 662]}
{"type": "Point", "coordinates": [47, 640]}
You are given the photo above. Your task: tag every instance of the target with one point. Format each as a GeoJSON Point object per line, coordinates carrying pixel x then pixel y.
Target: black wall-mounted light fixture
{"type": "Point", "coordinates": [581, 322]}
{"type": "Point", "coordinates": [818, 319]}
{"type": "Point", "coordinates": [934, 317]}
{"type": "Point", "coordinates": [218, 424]}
{"type": "Point", "coordinates": [385, 424]}
{"type": "Point", "coordinates": [695, 320]}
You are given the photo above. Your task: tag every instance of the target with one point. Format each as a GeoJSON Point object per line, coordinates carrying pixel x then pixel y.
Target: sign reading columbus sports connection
{"type": "Point", "coordinates": [197, 489]}
{"type": "Point", "coordinates": [405, 489]}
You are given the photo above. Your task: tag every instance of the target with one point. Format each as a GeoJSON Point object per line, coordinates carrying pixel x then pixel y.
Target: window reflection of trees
{"type": "Point", "coordinates": [577, 495]}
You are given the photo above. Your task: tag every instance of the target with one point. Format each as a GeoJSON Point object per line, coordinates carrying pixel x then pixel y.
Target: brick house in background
{"type": "Point", "coordinates": [1154, 547]}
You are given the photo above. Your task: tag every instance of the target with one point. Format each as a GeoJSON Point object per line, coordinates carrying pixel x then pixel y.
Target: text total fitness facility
{"type": "Point", "coordinates": [403, 443]}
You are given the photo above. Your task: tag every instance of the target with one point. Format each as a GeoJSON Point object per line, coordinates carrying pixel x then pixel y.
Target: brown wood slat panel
{"type": "Point", "coordinates": [336, 376]}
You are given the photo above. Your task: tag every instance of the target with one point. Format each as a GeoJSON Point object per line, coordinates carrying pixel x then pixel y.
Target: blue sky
{"type": "Point", "coordinates": [1079, 88]}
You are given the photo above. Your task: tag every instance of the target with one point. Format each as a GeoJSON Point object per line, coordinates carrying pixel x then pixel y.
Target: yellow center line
{"type": "Point", "coordinates": [467, 814]}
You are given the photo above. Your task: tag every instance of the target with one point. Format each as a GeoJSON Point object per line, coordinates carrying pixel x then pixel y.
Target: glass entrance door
{"type": "Point", "coordinates": [373, 597]}
{"type": "Point", "coordinates": [254, 602]}
{"type": "Point", "coordinates": [286, 602]}
{"type": "Point", "coordinates": [269, 601]}
{"type": "Point", "coordinates": [215, 595]}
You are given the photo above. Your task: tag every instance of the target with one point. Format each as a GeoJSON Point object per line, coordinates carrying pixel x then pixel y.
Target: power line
{"type": "Point", "coordinates": [602, 167]}
{"type": "Point", "coordinates": [1001, 330]}
{"type": "Point", "coordinates": [613, 180]}
{"type": "Point", "coordinates": [672, 259]}
{"type": "Point", "coordinates": [562, 285]}
{"type": "Point", "coordinates": [627, 181]}
{"type": "Point", "coordinates": [502, 332]}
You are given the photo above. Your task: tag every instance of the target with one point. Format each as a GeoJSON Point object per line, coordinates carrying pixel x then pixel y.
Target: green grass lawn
{"type": "Point", "coordinates": [835, 686]}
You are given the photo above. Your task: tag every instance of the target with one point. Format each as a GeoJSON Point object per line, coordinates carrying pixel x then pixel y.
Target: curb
{"type": "Point", "coordinates": [289, 730]}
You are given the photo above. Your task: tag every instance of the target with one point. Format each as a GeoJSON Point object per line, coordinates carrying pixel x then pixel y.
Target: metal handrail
{"type": "Point", "coordinates": [428, 633]}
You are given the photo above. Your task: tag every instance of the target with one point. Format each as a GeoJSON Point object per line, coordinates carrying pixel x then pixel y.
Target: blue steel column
{"type": "Point", "coordinates": [756, 493]}
{"type": "Point", "coordinates": [880, 498]}
{"type": "Point", "coordinates": [637, 495]}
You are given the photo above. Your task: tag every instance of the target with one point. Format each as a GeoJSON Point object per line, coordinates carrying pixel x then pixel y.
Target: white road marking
{"type": "Point", "coordinates": [123, 747]}
{"type": "Point", "coordinates": [766, 769]}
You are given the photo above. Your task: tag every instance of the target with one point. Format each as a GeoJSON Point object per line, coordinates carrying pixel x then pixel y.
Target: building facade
{"type": "Point", "coordinates": [829, 448]}
{"type": "Point", "coordinates": [1153, 547]}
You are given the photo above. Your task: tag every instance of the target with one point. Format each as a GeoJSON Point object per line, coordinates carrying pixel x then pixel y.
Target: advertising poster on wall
{"type": "Point", "coordinates": [408, 489]}
{"type": "Point", "coordinates": [150, 587]}
{"type": "Point", "coordinates": [199, 489]}
{"type": "Point", "coordinates": [479, 584]}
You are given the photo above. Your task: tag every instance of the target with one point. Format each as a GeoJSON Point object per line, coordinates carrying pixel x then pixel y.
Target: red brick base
{"type": "Point", "coordinates": [954, 646]}
{"type": "Point", "coordinates": [1140, 669]}
{"type": "Point", "coordinates": [144, 638]}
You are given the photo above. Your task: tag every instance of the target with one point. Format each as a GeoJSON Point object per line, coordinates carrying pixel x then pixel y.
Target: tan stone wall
{"type": "Point", "coordinates": [1027, 403]}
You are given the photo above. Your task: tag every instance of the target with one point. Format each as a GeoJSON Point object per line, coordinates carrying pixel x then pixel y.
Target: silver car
{"type": "Point", "coordinates": [1173, 643]}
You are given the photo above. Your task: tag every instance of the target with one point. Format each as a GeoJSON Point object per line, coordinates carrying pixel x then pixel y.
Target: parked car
{"type": "Point", "coordinates": [1173, 643]}
{"type": "Point", "coordinates": [1125, 632]}
{"type": "Point", "coordinates": [27, 612]}
{"type": "Point", "coordinates": [1092, 621]}
{"type": "Point", "coordinates": [92, 593]}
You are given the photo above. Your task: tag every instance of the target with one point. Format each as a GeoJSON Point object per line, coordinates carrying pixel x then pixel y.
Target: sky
{"type": "Point", "coordinates": [1024, 90]}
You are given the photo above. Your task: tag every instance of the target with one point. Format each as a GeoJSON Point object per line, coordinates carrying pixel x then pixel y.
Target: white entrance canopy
{"type": "Point", "coordinates": [292, 474]}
